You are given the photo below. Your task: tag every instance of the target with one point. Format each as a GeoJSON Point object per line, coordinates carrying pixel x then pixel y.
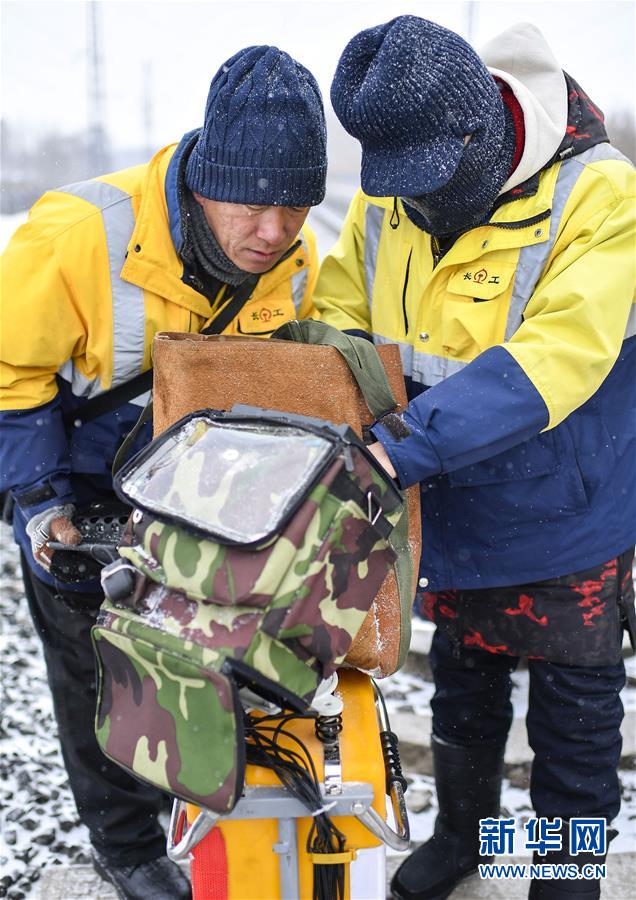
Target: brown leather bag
{"type": "Point", "coordinates": [194, 371]}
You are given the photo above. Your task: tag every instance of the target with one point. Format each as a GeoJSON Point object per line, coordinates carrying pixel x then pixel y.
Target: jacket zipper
{"type": "Point", "coordinates": [436, 250]}
{"type": "Point", "coordinates": [522, 223]}
{"type": "Point", "coordinates": [406, 283]}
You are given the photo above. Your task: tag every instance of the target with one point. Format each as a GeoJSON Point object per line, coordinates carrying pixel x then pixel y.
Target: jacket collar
{"type": "Point", "coordinates": [152, 261]}
{"type": "Point", "coordinates": [586, 124]}
{"type": "Point", "coordinates": [183, 149]}
{"type": "Point", "coordinates": [584, 129]}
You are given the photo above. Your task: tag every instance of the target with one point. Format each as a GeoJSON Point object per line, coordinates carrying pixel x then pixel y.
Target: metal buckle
{"type": "Point", "coordinates": [373, 517]}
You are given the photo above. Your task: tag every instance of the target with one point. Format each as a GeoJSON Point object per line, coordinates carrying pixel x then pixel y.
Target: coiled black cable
{"type": "Point", "coordinates": [296, 771]}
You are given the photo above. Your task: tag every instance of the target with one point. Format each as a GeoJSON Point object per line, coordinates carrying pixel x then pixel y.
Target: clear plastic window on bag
{"type": "Point", "coordinates": [234, 481]}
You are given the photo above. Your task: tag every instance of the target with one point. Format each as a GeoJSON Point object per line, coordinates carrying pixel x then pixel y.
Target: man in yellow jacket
{"type": "Point", "coordinates": [493, 240]}
{"type": "Point", "coordinates": [209, 235]}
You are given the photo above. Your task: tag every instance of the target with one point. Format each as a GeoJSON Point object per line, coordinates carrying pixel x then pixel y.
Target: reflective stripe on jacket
{"type": "Point", "coordinates": [87, 282]}
{"type": "Point", "coordinates": [519, 351]}
{"type": "Point", "coordinates": [94, 274]}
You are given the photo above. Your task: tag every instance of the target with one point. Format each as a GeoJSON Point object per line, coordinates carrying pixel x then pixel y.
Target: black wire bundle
{"type": "Point", "coordinates": [296, 771]}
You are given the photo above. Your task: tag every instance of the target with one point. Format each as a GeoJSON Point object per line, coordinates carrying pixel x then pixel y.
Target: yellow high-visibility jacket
{"type": "Point", "coordinates": [519, 353]}
{"type": "Point", "coordinates": [87, 282]}
{"type": "Point", "coordinates": [94, 274]}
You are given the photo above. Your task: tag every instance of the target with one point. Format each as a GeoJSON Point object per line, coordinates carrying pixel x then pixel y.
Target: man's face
{"type": "Point", "coordinates": [253, 237]}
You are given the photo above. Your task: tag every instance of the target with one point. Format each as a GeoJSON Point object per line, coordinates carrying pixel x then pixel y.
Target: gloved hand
{"type": "Point", "coordinates": [52, 524]}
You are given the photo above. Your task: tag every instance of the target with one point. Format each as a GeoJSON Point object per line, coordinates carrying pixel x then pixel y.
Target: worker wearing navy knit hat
{"type": "Point", "coordinates": [493, 241]}
{"type": "Point", "coordinates": [209, 235]}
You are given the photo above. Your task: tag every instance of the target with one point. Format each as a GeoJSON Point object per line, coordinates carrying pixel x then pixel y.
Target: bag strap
{"type": "Point", "coordinates": [366, 367]}
{"type": "Point", "coordinates": [218, 324]}
{"type": "Point", "coordinates": [109, 400]}
{"type": "Point", "coordinates": [359, 354]}
{"type": "Point", "coordinates": [233, 307]}
{"type": "Point", "coordinates": [243, 293]}
{"type": "Point", "coordinates": [129, 440]}
{"type": "Point", "coordinates": [113, 399]}
{"type": "Point", "coordinates": [403, 568]}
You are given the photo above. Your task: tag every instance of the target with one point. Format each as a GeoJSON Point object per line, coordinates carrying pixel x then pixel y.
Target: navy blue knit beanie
{"type": "Point", "coordinates": [263, 141]}
{"type": "Point", "coordinates": [409, 91]}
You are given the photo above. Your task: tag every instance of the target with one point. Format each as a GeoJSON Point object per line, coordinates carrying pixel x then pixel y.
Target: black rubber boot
{"type": "Point", "coordinates": [565, 888]}
{"type": "Point", "coordinates": [468, 783]}
{"type": "Point", "coordinates": [159, 879]}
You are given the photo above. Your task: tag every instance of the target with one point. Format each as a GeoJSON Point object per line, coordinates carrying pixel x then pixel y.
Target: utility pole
{"type": "Point", "coordinates": [147, 107]}
{"type": "Point", "coordinates": [98, 156]}
{"type": "Point", "coordinates": [471, 21]}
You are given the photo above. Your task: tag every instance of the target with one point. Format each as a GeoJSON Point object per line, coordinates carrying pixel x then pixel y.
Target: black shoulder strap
{"type": "Point", "coordinates": [216, 326]}
{"type": "Point", "coordinates": [129, 440]}
{"type": "Point", "coordinates": [123, 393]}
{"type": "Point", "coordinates": [110, 400]}
{"type": "Point", "coordinates": [233, 306]}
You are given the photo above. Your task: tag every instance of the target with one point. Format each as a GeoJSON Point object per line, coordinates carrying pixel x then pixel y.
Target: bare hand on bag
{"type": "Point", "coordinates": [383, 458]}
{"type": "Point", "coordinates": [52, 524]}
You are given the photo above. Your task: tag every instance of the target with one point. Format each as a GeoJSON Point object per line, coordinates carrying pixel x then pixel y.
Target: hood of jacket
{"type": "Point", "coordinates": [559, 119]}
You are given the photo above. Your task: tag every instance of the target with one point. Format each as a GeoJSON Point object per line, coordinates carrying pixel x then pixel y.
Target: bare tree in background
{"type": "Point", "coordinates": [98, 155]}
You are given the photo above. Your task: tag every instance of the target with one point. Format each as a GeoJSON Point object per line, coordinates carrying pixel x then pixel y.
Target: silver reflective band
{"type": "Point", "coordinates": [299, 280]}
{"type": "Point", "coordinates": [127, 299]}
{"type": "Point", "coordinates": [372, 230]}
{"type": "Point", "coordinates": [425, 368]}
{"type": "Point", "coordinates": [532, 260]}
{"type": "Point", "coordinates": [630, 328]}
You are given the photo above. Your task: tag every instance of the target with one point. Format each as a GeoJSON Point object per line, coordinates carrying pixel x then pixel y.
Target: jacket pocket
{"type": "Point", "coordinates": [92, 457]}
{"type": "Point", "coordinates": [475, 309]}
{"type": "Point", "coordinates": [258, 318]}
{"type": "Point", "coordinates": [538, 479]}
{"type": "Point", "coordinates": [470, 327]}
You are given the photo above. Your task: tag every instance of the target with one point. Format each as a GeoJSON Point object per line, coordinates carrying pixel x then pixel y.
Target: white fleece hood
{"type": "Point", "coordinates": [521, 57]}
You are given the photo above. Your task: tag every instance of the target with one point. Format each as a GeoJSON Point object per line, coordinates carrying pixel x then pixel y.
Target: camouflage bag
{"type": "Point", "coordinates": [257, 543]}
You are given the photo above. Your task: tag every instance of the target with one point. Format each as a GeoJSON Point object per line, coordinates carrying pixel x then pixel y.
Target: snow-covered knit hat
{"type": "Point", "coordinates": [410, 91]}
{"type": "Point", "coordinates": [263, 141]}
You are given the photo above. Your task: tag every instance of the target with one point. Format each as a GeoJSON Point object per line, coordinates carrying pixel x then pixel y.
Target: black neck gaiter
{"type": "Point", "coordinates": [200, 249]}
{"type": "Point", "coordinates": [466, 200]}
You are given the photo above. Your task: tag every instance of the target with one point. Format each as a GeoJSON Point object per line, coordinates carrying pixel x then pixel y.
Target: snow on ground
{"type": "Point", "coordinates": [39, 822]}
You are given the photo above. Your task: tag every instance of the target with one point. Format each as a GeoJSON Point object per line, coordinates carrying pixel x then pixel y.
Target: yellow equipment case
{"type": "Point", "coordinates": [245, 857]}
